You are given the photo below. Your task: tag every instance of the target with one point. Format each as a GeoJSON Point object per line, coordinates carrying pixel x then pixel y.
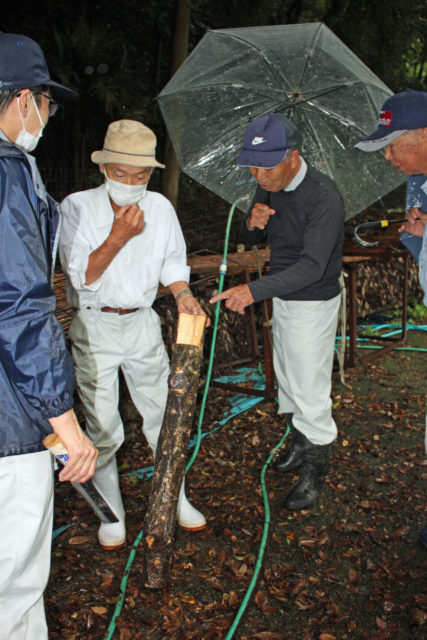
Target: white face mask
{"type": "Point", "coordinates": [25, 140]}
{"type": "Point", "coordinates": [124, 194]}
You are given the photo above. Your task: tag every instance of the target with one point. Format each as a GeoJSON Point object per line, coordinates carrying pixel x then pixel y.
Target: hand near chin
{"type": "Point", "coordinates": [128, 222]}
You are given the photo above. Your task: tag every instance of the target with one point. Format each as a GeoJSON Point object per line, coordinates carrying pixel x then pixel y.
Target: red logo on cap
{"type": "Point", "coordinates": [385, 119]}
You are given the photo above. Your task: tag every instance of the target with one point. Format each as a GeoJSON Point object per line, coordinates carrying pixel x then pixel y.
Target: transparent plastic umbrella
{"type": "Point", "coordinates": [303, 71]}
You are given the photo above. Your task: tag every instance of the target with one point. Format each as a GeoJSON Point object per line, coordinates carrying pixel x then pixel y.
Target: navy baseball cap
{"type": "Point", "coordinates": [400, 113]}
{"type": "Point", "coordinates": [23, 65]}
{"type": "Point", "coordinates": [267, 140]}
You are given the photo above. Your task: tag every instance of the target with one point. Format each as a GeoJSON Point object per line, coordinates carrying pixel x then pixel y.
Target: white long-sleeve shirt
{"type": "Point", "coordinates": [156, 255]}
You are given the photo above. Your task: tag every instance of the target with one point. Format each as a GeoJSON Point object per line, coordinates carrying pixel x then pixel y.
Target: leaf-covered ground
{"type": "Point", "coordinates": [351, 567]}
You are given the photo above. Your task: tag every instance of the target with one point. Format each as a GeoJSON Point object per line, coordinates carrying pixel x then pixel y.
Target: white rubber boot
{"type": "Point", "coordinates": [106, 480]}
{"type": "Point", "coordinates": [188, 517]}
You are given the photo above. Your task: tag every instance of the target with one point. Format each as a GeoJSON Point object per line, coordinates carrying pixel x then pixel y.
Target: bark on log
{"type": "Point", "coordinates": [169, 466]}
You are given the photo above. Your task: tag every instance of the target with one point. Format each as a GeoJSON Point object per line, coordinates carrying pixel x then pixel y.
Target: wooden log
{"type": "Point", "coordinates": [169, 465]}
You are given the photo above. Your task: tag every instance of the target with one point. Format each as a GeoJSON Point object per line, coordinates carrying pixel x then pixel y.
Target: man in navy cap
{"type": "Point", "coordinates": [300, 214]}
{"type": "Point", "coordinates": [36, 373]}
{"type": "Point", "coordinates": [402, 131]}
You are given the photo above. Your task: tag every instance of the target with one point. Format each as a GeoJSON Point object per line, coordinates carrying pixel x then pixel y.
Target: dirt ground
{"type": "Point", "coordinates": [350, 567]}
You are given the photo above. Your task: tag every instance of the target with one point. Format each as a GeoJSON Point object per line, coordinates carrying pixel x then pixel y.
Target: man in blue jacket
{"type": "Point", "coordinates": [36, 373]}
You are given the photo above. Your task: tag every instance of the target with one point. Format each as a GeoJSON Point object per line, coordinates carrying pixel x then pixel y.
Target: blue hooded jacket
{"type": "Point", "coordinates": [36, 371]}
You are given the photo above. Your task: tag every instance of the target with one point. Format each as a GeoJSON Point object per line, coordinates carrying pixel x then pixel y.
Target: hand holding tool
{"type": "Point", "coordinates": [87, 490]}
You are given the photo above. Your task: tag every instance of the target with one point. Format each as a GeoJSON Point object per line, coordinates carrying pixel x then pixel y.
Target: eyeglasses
{"type": "Point", "coordinates": [53, 105]}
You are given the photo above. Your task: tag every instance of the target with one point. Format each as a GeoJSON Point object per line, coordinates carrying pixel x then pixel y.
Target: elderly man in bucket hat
{"type": "Point", "coordinates": [118, 242]}
{"type": "Point", "coordinates": [402, 132]}
{"type": "Point", "coordinates": [300, 214]}
{"type": "Point", "coordinates": [36, 373]}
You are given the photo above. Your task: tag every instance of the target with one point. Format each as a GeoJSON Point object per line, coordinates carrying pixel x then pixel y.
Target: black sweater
{"type": "Point", "coordinates": [305, 236]}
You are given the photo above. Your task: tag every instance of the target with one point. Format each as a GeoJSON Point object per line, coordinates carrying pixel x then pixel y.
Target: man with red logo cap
{"type": "Point", "coordinates": [36, 372]}
{"type": "Point", "coordinates": [402, 131]}
{"type": "Point", "coordinates": [300, 214]}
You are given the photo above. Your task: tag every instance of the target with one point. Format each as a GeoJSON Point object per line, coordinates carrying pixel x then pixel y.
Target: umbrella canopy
{"type": "Point", "coordinates": [302, 71]}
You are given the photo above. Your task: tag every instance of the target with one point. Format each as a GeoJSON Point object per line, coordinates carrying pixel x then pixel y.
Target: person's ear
{"type": "Point", "coordinates": [294, 158]}
{"type": "Point", "coordinates": [24, 98]}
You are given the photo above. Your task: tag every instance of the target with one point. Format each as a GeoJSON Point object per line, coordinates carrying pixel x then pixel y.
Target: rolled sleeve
{"type": "Point", "coordinates": [174, 266]}
{"type": "Point", "coordinates": [174, 272]}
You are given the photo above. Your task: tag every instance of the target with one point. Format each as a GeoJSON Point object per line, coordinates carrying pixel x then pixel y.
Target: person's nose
{"type": "Point", "coordinates": [387, 153]}
{"type": "Point", "coordinates": [131, 181]}
{"type": "Point", "coordinates": [258, 173]}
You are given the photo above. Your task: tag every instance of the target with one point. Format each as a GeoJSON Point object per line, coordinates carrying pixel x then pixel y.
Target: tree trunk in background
{"type": "Point", "coordinates": [169, 466]}
{"type": "Point", "coordinates": [170, 181]}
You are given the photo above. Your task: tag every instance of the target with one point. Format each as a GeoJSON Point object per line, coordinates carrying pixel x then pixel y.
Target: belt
{"type": "Point", "coordinates": [119, 311]}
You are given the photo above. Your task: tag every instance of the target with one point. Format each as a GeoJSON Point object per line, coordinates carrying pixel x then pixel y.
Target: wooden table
{"type": "Point", "coordinates": [390, 247]}
{"type": "Point", "coordinates": [248, 262]}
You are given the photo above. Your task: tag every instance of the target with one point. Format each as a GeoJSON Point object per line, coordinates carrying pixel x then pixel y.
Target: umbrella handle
{"type": "Point", "coordinates": [378, 224]}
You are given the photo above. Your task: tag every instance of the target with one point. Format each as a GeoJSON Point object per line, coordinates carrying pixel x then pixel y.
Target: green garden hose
{"type": "Point", "coordinates": [222, 272]}
{"type": "Point", "coordinates": [258, 565]}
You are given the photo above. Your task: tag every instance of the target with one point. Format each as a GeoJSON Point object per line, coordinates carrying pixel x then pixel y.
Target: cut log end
{"type": "Point", "coordinates": [190, 329]}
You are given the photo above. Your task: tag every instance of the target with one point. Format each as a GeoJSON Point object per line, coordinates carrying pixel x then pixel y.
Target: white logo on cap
{"type": "Point", "coordinates": [258, 140]}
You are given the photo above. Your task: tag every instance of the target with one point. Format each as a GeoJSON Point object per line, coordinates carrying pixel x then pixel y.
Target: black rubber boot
{"type": "Point", "coordinates": [293, 456]}
{"type": "Point", "coordinates": [312, 480]}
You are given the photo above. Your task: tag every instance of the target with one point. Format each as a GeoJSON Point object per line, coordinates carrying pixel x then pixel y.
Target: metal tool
{"type": "Point", "coordinates": [87, 490]}
{"type": "Point", "coordinates": [378, 224]}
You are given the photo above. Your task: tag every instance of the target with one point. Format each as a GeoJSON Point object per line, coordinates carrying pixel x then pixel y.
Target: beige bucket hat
{"type": "Point", "coordinates": [128, 142]}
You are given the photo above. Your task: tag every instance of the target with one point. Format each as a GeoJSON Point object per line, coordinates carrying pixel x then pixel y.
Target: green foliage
{"type": "Point", "coordinates": [416, 63]}
{"type": "Point", "coordinates": [381, 37]}
{"type": "Point", "coordinates": [417, 312]}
